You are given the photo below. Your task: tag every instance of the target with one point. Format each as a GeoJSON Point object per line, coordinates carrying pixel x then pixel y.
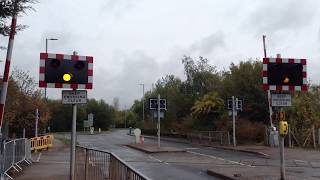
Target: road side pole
{"type": "Point", "coordinates": [269, 93]}
{"type": "Point", "coordinates": [5, 81]}
{"type": "Point", "coordinates": [73, 142]}
{"type": "Point", "coordinates": [234, 121]}
{"type": "Point", "coordinates": [159, 120]}
{"type": "Point", "coordinates": [282, 168]}
{"type": "Point", "coordinates": [37, 122]}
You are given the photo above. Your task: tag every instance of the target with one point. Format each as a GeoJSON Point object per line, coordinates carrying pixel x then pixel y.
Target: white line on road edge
{"type": "Point", "coordinates": [219, 158]}
{"type": "Point", "coordinates": [192, 148]}
{"type": "Point", "coordinates": [38, 159]}
{"type": "Point", "coordinates": [151, 157]}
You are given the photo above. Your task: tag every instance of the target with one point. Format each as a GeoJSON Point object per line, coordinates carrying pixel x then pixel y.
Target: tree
{"type": "Point", "coordinates": [209, 108]}
{"type": "Point", "coordinates": [10, 7]}
{"type": "Point", "coordinates": [244, 81]}
{"type": "Point", "coordinates": [21, 105]}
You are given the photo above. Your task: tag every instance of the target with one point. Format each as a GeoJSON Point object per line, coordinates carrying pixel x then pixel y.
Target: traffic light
{"type": "Point", "coordinates": [66, 71]}
{"type": "Point", "coordinates": [239, 104]}
{"type": "Point", "coordinates": [282, 74]}
{"type": "Point", "coordinates": [153, 104]}
{"type": "Point", "coordinates": [229, 104]}
{"type": "Point", "coordinates": [163, 104]}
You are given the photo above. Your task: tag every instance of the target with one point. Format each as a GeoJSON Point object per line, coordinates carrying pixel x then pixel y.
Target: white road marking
{"type": "Point", "coordinates": [219, 158]}
{"type": "Point", "coordinates": [192, 148]}
{"type": "Point", "coordinates": [300, 161]}
{"type": "Point", "coordinates": [151, 157]}
{"type": "Point", "coordinates": [38, 159]}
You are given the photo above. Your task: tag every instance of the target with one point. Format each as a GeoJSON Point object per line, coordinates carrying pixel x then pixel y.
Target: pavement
{"type": "Point", "coordinates": [48, 165]}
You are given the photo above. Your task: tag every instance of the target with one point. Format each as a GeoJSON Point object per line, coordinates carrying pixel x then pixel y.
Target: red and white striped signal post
{"type": "Point", "coordinates": [72, 72]}
{"type": "Point", "coordinates": [7, 70]}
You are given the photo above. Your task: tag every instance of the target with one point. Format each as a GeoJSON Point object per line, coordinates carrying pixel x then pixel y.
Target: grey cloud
{"type": "Point", "coordinates": [117, 6]}
{"type": "Point", "coordinates": [208, 44]}
{"type": "Point", "coordinates": [134, 68]}
{"type": "Point", "coordinates": [274, 16]}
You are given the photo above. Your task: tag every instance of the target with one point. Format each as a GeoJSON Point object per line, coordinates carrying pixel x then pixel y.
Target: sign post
{"type": "Point", "coordinates": [283, 74]}
{"type": "Point", "coordinates": [234, 120]}
{"type": "Point", "coordinates": [158, 120]}
{"type": "Point", "coordinates": [71, 72]}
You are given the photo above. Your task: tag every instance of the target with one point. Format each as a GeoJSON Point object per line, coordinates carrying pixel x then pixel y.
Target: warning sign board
{"type": "Point", "coordinates": [281, 100]}
{"type": "Point", "coordinates": [74, 97]}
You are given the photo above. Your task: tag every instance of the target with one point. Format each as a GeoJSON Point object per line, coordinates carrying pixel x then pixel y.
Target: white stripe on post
{"type": "Point", "coordinates": [272, 88]}
{"type": "Point", "coordinates": [265, 80]}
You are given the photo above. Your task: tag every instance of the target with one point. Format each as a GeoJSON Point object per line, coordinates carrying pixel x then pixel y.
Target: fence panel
{"type": "Point", "coordinates": [94, 164]}
{"type": "Point", "coordinates": [15, 152]}
{"type": "Point", "coordinates": [8, 155]}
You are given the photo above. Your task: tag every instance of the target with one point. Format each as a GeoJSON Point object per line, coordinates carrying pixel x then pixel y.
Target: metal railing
{"type": "Point", "coordinates": [15, 152]}
{"type": "Point", "coordinates": [209, 137]}
{"type": "Point", "coordinates": [94, 164]}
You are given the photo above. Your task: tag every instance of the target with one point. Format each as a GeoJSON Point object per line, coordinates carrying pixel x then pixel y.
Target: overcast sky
{"type": "Point", "coordinates": [139, 41]}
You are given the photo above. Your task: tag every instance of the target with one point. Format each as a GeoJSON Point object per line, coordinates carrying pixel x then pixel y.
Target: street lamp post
{"type": "Point", "coordinates": [48, 39]}
{"type": "Point", "coordinates": [142, 101]}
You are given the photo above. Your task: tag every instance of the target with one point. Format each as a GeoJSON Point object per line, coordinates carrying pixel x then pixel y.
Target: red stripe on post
{"type": "Point", "coordinates": [6, 71]}
{"type": "Point", "coordinates": [13, 28]}
{"type": "Point", "coordinates": [265, 87]}
{"type": "Point", "coordinates": [89, 59]}
{"type": "Point", "coordinates": [58, 85]}
{"type": "Point", "coordinates": [43, 55]}
{"type": "Point", "coordinates": [59, 56]}
{"type": "Point", "coordinates": [278, 60]}
{"type": "Point", "coordinates": [74, 57]}
{"type": "Point", "coordinates": [264, 73]}
{"type": "Point", "coordinates": [291, 61]}
{"type": "Point", "coordinates": [89, 86]}
{"type": "Point", "coordinates": [304, 74]}
{"type": "Point", "coordinates": [304, 88]}
{"type": "Point", "coordinates": [291, 88]}
{"type": "Point", "coordinates": [265, 60]}
{"type": "Point", "coordinates": [74, 86]}
{"type": "Point", "coordinates": [42, 84]}
{"type": "Point", "coordinates": [278, 88]}
{"type": "Point", "coordinates": [303, 61]}
{"type": "Point", "coordinates": [90, 72]}
{"type": "Point", "coordinates": [42, 69]}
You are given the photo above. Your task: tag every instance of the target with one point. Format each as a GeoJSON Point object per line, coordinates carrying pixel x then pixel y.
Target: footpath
{"type": "Point", "coordinates": [48, 165]}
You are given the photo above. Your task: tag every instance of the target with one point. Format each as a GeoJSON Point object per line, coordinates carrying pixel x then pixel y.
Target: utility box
{"type": "Point", "coordinates": [274, 138]}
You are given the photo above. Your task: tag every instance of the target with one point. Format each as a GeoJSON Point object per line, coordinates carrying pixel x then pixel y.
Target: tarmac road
{"type": "Point", "coordinates": [194, 163]}
{"type": "Point", "coordinates": [191, 164]}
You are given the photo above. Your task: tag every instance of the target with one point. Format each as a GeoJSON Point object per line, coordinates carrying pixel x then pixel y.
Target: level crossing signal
{"type": "Point", "coordinates": [65, 71]}
{"type": "Point", "coordinates": [153, 104]}
{"type": "Point", "coordinates": [284, 74]}
{"type": "Point", "coordinates": [238, 104]}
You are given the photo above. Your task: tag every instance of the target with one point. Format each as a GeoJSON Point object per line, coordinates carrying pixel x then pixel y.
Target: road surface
{"type": "Point", "coordinates": [191, 164]}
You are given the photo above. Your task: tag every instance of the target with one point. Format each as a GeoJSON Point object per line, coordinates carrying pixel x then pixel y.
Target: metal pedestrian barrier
{"type": "Point", "coordinates": [95, 164]}
{"type": "Point", "coordinates": [14, 153]}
